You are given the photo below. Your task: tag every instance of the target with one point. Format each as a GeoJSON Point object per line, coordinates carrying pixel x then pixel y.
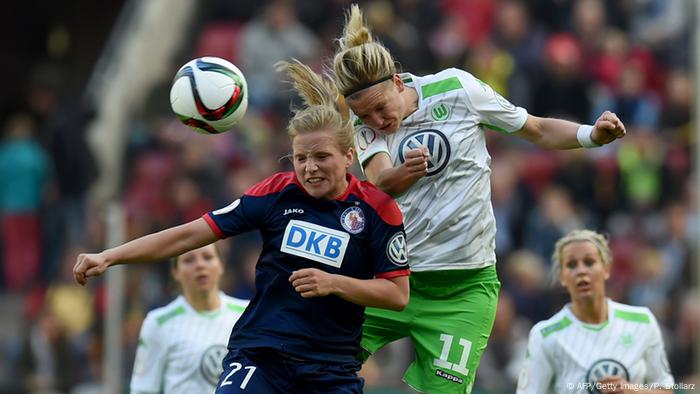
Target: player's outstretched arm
{"type": "Point", "coordinates": [550, 133]}
{"type": "Point", "coordinates": [397, 180]}
{"type": "Point", "coordinates": [152, 247]}
{"type": "Point", "coordinates": [392, 293]}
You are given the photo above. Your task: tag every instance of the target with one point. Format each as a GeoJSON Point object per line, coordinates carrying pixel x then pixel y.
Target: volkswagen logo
{"type": "Point", "coordinates": [602, 368]}
{"type": "Point", "coordinates": [437, 144]}
{"type": "Point", "coordinates": [210, 365]}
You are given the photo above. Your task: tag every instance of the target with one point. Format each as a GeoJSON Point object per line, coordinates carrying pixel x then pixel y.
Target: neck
{"type": "Point", "coordinates": [203, 301]}
{"type": "Point", "coordinates": [592, 310]}
{"type": "Point", "coordinates": [410, 97]}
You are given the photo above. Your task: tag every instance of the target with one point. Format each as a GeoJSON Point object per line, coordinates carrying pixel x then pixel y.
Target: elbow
{"type": "Point", "coordinates": [401, 303]}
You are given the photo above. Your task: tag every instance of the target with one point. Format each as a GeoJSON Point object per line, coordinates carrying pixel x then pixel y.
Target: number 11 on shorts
{"type": "Point", "coordinates": [442, 362]}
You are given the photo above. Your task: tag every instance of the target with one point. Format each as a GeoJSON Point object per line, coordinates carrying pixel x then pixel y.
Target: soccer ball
{"type": "Point", "coordinates": [209, 94]}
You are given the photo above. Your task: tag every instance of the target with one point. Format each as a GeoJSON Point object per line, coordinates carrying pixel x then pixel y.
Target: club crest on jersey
{"type": "Point", "coordinates": [438, 146]}
{"type": "Point", "coordinates": [314, 242]}
{"type": "Point", "coordinates": [396, 249]}
{"type": "Point", "coordinates": [353, 220]}
{"type": "Point", "coordinates": [210, 364]}
{"type": "Point", "coordinates": [604, 367]}
{"type": "Point", "coordinates": [364, 136]}
{"type": "Point", "coordinates": [440, 112]}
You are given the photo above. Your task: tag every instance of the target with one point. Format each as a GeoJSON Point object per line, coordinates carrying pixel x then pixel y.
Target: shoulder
{"type": "Point", "coordinates": [382, 203]}
{"type": "Point", "coordinates": [159, 317]}
{"type": "Point", "coordinates": [551, 327]}
{"type": "Point", "coordinates": [273, 184]}
{"type": "Point", "coordinates": [630, 313]}
{"type": "Point", "coordinates": [234, 304]}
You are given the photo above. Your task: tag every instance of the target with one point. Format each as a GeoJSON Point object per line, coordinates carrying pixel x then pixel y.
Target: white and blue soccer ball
{"type": "Point", "coordinates": [209, 94]}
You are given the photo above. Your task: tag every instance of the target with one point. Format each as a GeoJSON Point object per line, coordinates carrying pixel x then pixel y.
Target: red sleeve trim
{"type": "Point", "coordinates": [274, 184]}
{"type": "Point", "coordinates": [383, 204]}
{"type": "Point", "coordinates": [214, 227]}
{"type": "Point", "coordinates": [393, 274]}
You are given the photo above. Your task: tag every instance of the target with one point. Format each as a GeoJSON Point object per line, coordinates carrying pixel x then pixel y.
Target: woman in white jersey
{"type": "Point", "coordinates": [593, 345]}
{"type": "Point", "coordinates": [422, 140]}
{"type": "Point", "coordinates": [181, 345]}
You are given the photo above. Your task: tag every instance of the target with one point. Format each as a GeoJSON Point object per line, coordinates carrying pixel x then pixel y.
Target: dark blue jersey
{"type": "Point", "coordinates": [359, 235]}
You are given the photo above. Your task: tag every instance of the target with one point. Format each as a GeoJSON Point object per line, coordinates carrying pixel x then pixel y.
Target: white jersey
{"type": "Point", "coordinates": [180, 350]}
{"type": "Point", "coordinates": [447, 214]}
{"type": "Point", "coordinates": [566, 355]}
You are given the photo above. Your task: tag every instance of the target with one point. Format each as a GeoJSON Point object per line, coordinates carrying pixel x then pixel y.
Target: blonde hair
{"type": "Point", "coordinates": [360, 60]}
{"type": "Point", "coordinates": [320, 109]}
{"type": "Point", "coordinates": [597, 239]}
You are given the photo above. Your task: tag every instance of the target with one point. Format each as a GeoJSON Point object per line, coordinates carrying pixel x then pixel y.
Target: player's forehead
{"type": "Point", "coordinates": [313, 142]}
{"type": "Point", "coordinates": [579, 248]}
{"type": "Point", "coordinates": [369, 99]}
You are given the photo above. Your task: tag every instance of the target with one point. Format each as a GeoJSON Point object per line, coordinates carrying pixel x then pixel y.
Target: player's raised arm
{"type": "Point", "coordinates": [553, 133]}
{"type": "Point", "coordinates": [152, 247]}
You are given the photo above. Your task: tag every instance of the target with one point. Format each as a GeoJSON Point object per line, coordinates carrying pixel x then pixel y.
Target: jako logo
{"type": "Point", "coordinates": [315, 242]}
{"type": "Point", "coordinates": [293, 210]}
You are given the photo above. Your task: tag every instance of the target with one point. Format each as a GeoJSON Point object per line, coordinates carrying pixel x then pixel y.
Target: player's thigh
{"type": "Point", "coordinates": [248, 371]}
{"type": "Point", "coordinates": [450, 337]}
{"type": "Point", "coordinates": [329, 379]}
{"type": "Point", "coordinates": [381, 327]}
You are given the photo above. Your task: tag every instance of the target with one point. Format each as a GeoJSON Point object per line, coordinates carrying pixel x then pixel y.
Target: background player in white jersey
{"type": "Point", "coordinates": [422, 140]}
{"type": "Point", "coordinates": [593, 345]}
{"type": "Point", "coordinates": [182, 344]}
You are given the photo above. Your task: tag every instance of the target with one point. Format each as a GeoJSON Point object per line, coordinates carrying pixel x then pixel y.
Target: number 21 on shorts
{"type": "Point", "coordinates": [237, 367]}
{"type": "Point", "coordinates": [442, 362]}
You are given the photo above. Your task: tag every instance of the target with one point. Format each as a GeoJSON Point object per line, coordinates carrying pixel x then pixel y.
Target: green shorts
{"type": "Point", "coordinates": [449, 320]}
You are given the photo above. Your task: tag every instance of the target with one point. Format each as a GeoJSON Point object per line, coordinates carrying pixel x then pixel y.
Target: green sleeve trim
{"type": "Point", "coordinates": [235, 308]}
{"type": "Point", "coordinates": [495, 128]}
{"type": "Point", "coordinates": [558, 326]}
{"type": "Point", "coordinates": [180, 310]}
{"type": "Point", "coordinates": [441, 86]}
{"type": "Point", "coordinates": [639, 317]}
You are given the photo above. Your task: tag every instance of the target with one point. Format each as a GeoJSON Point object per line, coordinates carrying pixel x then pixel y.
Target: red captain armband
{"type": "Point", "coordinates": [393, 274]}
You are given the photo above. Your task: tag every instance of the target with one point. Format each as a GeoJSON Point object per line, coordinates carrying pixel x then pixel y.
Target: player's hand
{"type": "Point", "coordinates": [416, 161]}
{"type": "Point", "coordinates": [88, 265]}
{"type": "Point", "coordinates": [312, 282]}
{"type": "Point", "coordinates": [607, 129]}
{"type": "Point", "coordinates": [614, 385]}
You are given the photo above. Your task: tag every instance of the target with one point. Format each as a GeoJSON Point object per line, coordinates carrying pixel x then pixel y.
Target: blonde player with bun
{"type": "Point", "coordinates": [422, 140]}
{"type": "Point", "coordinates": [593, 345]}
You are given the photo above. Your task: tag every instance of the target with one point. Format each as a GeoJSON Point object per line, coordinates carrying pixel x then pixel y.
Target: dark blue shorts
{"type": "Point", "coordinates": [267, 371]}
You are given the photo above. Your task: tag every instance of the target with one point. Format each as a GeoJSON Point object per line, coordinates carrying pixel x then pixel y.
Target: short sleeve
{"type": "Point", "coordinates": [493, 110]}
{"type": "Point", "coordinates": [151, 356]}
{"type": "Point", "coordinates": [537, 373]}
{"type": "Point", "coordinates": [368, 143]}
{"type": "Point", "coordinates": [388, 243]}
{"type": "Point", "coordinates": [658, 369]}
{"type": "Point", "coordinates": [245, 214]}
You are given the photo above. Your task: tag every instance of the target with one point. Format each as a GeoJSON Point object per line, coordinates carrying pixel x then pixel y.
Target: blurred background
{"type": "Point", "coordinates": [91, 156]}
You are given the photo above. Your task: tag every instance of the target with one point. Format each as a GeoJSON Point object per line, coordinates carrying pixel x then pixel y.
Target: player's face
{"type": "Point", "coordinates": [381, 106]}
{"type": "Point", "coordinates": [199, 270]}
{"type": "Point", "coordinates": [320, 165]}
{"type": "Point", "coordinates": [583, 271]}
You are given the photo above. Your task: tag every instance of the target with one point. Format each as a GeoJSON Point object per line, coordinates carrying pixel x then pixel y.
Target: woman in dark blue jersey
{"type": "Point", "coordinates": [331, 246]}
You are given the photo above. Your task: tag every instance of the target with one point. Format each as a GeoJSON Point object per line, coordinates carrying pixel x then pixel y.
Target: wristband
{"type": "Point", "coordinates": [584, 134]}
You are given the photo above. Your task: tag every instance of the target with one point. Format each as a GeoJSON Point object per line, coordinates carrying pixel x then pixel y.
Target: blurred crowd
{"type": "Point", "coordinates": [563, 58]}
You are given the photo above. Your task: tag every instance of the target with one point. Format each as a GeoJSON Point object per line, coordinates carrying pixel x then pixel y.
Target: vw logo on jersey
{"type": "Point", "coordinates": [353, 220]}
{"type": "Point", "coordinates": [437, 143]}
{"type": "Point", "coordinates": [602, 368]}
{"type": "Point", "coordinates": [364, 136]}
{"type": "Point", "coordinates": [396, 249]}
{"type": "Point", "coordinates": [315, 242]}
{"type": "Point", "coordinates": [210, 364]}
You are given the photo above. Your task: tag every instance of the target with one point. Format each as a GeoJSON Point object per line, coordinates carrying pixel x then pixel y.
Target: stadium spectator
{"type": "Point", "coordinates": [593, 344]}
{"type": "Point", "coordinates": [422, 139]}
{"type": "Point", "coordinates": [182, 344]}
{"type": "Point", "coordinates": [331, 245]}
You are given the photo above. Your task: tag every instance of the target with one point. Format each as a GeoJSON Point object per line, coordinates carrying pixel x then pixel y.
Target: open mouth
{"type": "Point", "coordinates": [314, 180]}
{"type": "Point", "coordinates": [583, 285]}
